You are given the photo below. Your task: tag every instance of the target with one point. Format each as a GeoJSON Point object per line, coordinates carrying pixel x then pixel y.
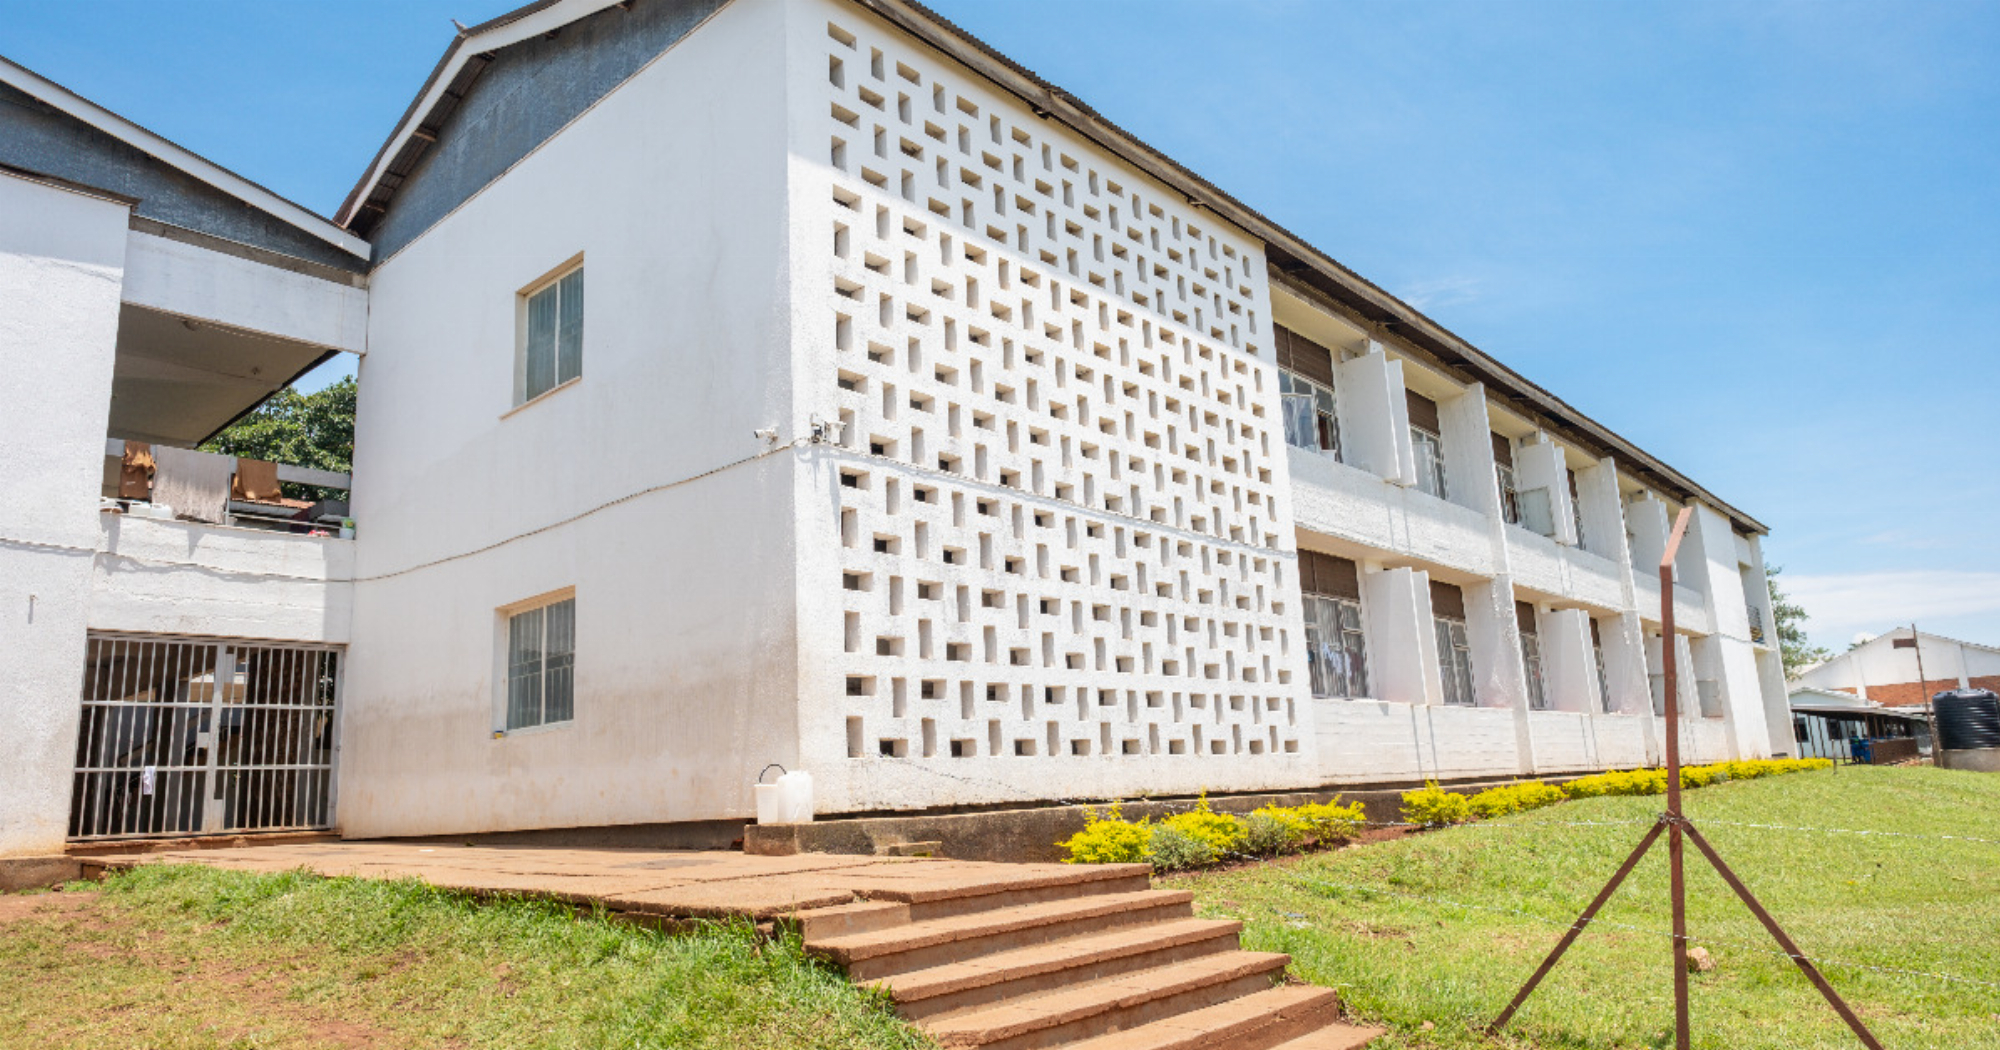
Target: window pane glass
{"type": "Point", "coordinates": [524, 669]}
{"type": "Point", "coordinates": [1300, 424]}
{"type": "Point", "coordinates": [569, 341]}
{"type": "Point", "coordinates": [539, 366]}
{"type": "Point", "coordinates": [560, 681]}
{"type": "Point", "coordinates": [1317, 647]}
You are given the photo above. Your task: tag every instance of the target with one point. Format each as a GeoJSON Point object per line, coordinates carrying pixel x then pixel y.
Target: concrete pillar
{"type": "Point", "coordinates": [1402, 647]}
{"type": "Point", "coordinates": [62, 264]}
{"type": "Point", "coordinates": [1569, 664]}
{"type": "Point", "coordinates": [1539, 467]}
{"type": "Point", "coordinates": [1374, 419]}
{"type": "Point", "coordinates": [1468, 451]}
{"type": "Point", "coordinates": [1603, 516]}
{"type": "Point", "coordinates": [1647, 523]}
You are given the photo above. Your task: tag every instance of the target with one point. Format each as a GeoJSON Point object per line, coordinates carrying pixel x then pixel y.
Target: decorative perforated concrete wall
{"type": "Point", "coordinates": [1062, 551]}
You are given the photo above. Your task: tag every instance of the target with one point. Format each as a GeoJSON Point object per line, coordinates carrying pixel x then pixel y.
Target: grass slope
{"type": "Point", "coordinates": [187, 957]}
{"type": "Point", "coordinates": [1353, 919]}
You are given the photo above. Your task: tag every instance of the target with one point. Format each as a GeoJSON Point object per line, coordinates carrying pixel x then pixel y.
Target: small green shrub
{"type": "Point", "coordinates": [1272, 830]}
{"type": "Point", "coordinates": [1171, 849]}
{"type": "Point", "coordinates": [1619, 782]}
{"type": "Point", "coordinates": [1515, 798]}
{"type": "Point", "coordinates": [1220, 832]}
{"type": "Point", "coordinates": [1435, 807]}
{"type": "Point", "coordinates": [1109, 839]}
{"type": "Point", "coordinates": [1330, 822]}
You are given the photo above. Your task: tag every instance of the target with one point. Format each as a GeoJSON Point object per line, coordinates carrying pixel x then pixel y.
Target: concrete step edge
{"type": "Point", "coordinates": [1053, 956]}
{"type": "Point", "coordinates": [854, 947]}
{"type": "Point", "coordinates": [1013, 1018]}
{"type": "Point", "coordinates": [1233, 1023]}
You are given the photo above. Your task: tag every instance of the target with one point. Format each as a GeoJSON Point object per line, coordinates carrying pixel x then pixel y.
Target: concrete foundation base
{"type": "Point", "coordinates": [34, 873]}
{"type": "Point", "coordinates": [1030, 835]}
{"type": "Point", "coordinates": [1984, 760]}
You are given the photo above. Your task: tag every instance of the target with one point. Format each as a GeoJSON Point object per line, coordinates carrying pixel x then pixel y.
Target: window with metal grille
{"type": "Point", "coordinates": [541, 672]}
{"type": "Point", "coordinates": [1531, 656]}
{"type": "Point", "coordinates": [1455, 661]}
{"type": "Point", "coordinates": [1336, 649]}
{"type": "Point", "coordinates": [1603, 679]}
{"type": "Point", "coordinates": [552, 336]}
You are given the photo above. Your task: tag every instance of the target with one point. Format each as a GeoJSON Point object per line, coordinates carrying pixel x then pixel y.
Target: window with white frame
{"type": "Point", "coordinates": [551, 342]}
{"type": "Point", "coordinates": [1427, 442]}
{"type": "Point", "coordinates": [1455, 661]}
{"type": "Point", "coordinates": [1310, 422]}
{"type": "Point", "coordinates": [541, 664]}
{"type": "Point", "coordinates": [1603, 678]}
{"type": "Point", "coordinates": [1305, 392]}
{"type": "Point", "coordinates": [1531, 656]}
{"type": "Point", "coordinates": [1503, 472]}
{"type": "Point", "coordinates": [1336, 648]}
{"type": "Point", "coordinates": [1454, 647]}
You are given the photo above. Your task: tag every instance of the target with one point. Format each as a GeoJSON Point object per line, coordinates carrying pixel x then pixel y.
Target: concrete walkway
{"type": "Point", "coordinates": [981, 955]}
{"type": "Point", "coordinates": [687, 884]}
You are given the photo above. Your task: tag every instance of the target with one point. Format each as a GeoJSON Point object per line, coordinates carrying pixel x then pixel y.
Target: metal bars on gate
{"type": "Point", "coordinates": [182, 736]}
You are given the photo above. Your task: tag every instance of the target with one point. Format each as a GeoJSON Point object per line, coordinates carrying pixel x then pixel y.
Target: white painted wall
{"type": "Point", "coordinates": [673, 188]}
{"type": "Point", "coordinates": [212, 581]}
{"type": "Point", "coordinates": [192, 281]}
{"type": "Point", "coordinates": [62, 261]}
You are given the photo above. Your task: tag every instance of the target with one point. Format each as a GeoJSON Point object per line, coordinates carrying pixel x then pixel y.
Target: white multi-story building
{"type": "Point", "coordinates": [797, 382]}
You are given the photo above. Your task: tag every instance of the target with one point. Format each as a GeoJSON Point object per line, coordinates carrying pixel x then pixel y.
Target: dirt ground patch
{"type": "Point", "coordinates": [164, 989]}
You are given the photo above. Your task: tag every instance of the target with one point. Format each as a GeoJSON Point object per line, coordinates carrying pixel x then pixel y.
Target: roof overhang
{"type": "Point", "coordinates": [76, 106]}
{"type": "Point", "coordinates": [1303, 265]}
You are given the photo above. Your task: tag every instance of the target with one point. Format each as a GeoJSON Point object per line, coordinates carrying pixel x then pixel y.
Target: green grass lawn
{"type": "Point", "coordinates": [168, 958]}
{"type": "Point", "coordinates": [1374, 921]}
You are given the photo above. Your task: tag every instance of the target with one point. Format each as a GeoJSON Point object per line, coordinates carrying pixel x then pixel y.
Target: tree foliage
{"type": "Point", "coordinates": [304, 430]}
{"type": "Point", "coordinates": [1797, 650]}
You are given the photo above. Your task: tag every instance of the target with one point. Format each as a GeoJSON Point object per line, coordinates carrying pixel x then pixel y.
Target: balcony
{"type": "Point", "coordinates": [144, 480]}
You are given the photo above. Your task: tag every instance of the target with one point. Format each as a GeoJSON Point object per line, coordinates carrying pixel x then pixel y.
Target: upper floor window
{"type": "Point", "coordinates": [1336, 647]}
{"type": "Point", "coordinates": [1305, 389]}
{"type": "Point", "coordinates": [1531, 657]}
{"type": "Point", "coordinates": [1603, 679]}
{"type": "Point", "coordinates": [1454, 646]}
{"type": "Point", "coordinates": [1503, 470]}
{"type": "Point", "coordinates": [1427, 442]}
{"type": "Point", "coordinates": [1575, 506]}
{"type": "Point", "coordinates": [541, 664]}
{"type": "Point", "coordinates": [1309, 419]}
{"type": "Point", "coordinates": [551, 341]}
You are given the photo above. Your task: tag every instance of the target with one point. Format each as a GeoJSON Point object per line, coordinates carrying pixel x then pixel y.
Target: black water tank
{"type": "Point", "coordinates": [1967, 719]}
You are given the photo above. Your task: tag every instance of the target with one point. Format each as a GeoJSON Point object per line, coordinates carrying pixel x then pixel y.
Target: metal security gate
{"type": "Point", "coordinates": [190, 737]}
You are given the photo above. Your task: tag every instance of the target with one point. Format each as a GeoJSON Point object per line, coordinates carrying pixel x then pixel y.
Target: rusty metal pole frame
{"type": "Point", "coordinates": [1676, 879]}
{"type": "Point", "coordinates": [1678, 827]}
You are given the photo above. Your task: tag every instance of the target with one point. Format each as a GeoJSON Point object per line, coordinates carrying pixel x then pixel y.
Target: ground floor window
{"type": "Point", "coordinates": [1531, 661]}
{"type": "Point", "coordinates": [1335, 647]}
{"type": "Point", "coordinates": [1455, 661]}
{"type": "Point", "coordinates": [541, 658]}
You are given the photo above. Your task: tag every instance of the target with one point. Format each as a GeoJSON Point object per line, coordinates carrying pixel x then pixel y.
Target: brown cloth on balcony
{"type": "Point", "coordinates": [135, 471]}
{"type": "Point", "coordinates": [194, 484]}
{"type": "Point", "coordinates": [256, 481]}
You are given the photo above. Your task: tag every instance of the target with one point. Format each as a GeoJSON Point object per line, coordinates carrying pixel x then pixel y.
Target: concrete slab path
{"type": "Point", "coordinates": [980, 954]}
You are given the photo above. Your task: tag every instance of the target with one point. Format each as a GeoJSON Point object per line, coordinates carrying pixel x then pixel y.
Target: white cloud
{"type": "Point", "coordinates": [1442, 291]}
{"type": "Point", "coordinates": [1843, 604]}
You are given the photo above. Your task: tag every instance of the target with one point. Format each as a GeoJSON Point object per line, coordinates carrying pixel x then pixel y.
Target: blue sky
{"type": "Point", "coordinates": [1760, 240]}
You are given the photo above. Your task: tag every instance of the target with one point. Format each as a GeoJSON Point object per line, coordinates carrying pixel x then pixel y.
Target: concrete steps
{"type": "Point", "coordinates": [1074, 957]}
